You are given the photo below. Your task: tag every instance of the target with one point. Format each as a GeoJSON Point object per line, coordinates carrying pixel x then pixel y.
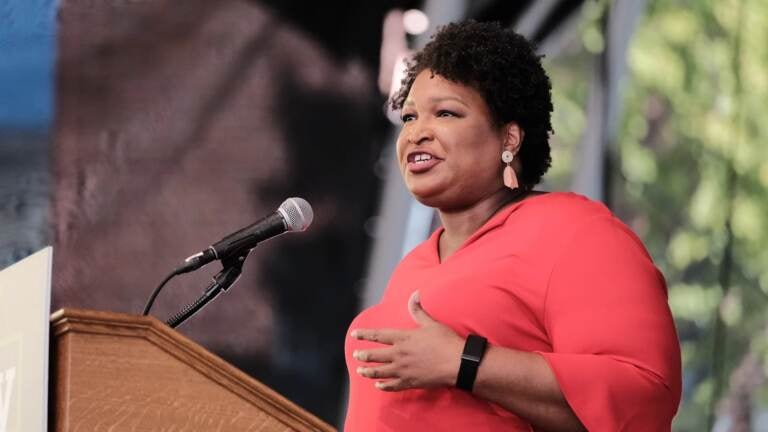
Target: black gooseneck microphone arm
{"type": "Point", "coordinates": [232, 267]}
{"type": "Point", "coordinates": [294, 214]}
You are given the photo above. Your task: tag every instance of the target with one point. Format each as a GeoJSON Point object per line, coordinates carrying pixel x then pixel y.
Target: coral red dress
{"type": "Point", "coordinates": [556, 274]}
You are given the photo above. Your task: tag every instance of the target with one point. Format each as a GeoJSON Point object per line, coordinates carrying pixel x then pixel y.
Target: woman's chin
{"type": "Point", "coordinates": [429, 197]}
{"type": "Point", "coordinates": [444, 199]}
{"type": "Point", "coordinates": [423, 192]}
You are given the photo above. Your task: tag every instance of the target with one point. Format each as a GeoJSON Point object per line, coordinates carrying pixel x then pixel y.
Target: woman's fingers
{"type": "Point", "coordinates": [411, 358]}
{"type": "Point", "coordinates": [385, 336]}
{"type": "Point", "coordinates": [385, 371]}
{"type": "Point", "coordinates": [381, 355]}
{"type": "Point", "coordinates": [418, 314]}
{"type": "Point", "coordinates": [389, 375]}
{"type": "Point", "coordinates": [391, 385]}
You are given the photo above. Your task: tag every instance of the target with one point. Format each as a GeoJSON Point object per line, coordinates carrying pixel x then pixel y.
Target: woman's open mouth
{"type": "Point", "coordinates": [419, 162]}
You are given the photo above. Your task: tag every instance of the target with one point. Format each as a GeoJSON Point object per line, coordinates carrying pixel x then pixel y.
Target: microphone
{"type": "Point", "coordinates": [294, 214]}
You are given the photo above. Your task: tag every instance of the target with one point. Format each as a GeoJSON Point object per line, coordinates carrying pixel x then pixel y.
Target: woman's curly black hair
{"type": "Point", "coordinates": [504, 68]}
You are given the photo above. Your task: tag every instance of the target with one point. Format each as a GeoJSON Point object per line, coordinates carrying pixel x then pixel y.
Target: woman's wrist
{"type": "Point", "coordinates": [452, 363]}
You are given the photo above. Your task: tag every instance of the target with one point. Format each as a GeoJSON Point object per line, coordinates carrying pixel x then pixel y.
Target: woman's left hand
{"type": "Point", "coordinates": [425, 357]}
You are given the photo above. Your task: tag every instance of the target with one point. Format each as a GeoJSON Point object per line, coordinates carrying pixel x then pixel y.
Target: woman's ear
{"type": "Point", "coordinates": [513, 137]}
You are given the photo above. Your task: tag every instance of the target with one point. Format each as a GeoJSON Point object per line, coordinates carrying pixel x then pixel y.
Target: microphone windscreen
{"type": "Point", "coordinates": [297, 213]}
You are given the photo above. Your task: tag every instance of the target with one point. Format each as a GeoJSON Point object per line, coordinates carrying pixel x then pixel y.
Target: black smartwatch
{"type": "Point", "coordinates": [474, 349]}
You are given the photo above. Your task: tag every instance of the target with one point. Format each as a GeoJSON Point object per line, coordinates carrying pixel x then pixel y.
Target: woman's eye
{"type": "Point", "coordinates": [407, 117]}
{"type": "Point", "coordinates": [444, 113]}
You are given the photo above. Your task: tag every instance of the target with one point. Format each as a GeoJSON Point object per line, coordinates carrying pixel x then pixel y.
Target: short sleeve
{"type": "Point", "coordinates": [615, 355]}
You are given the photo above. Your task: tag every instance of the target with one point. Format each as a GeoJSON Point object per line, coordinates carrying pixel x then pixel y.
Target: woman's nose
{"type": "Point", "coordinates": [420, 133]}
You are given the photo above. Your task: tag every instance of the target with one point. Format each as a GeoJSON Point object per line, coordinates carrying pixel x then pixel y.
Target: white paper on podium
{"type": "Point", "coordinates": [25, 302]}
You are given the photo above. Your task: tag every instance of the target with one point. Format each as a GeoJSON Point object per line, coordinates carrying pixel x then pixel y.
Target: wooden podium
{"type": "Point", "coordinates": [120, 372]}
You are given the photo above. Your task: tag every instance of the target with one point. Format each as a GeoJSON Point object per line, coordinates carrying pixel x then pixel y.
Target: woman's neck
{"type": "Point", "coordinates": [460, 224]}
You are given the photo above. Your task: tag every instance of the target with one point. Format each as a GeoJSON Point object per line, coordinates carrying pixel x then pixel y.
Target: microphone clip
{"type": "Point", "coordinates": [232, 267]}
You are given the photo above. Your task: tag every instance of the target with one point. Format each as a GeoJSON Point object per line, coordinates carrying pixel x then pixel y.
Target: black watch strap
{"type": "Point", "coordinates": [474, 349]}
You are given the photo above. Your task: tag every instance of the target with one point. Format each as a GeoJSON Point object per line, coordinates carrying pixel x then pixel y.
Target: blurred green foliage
{"type": "Point", "coordinates": [691, 177]}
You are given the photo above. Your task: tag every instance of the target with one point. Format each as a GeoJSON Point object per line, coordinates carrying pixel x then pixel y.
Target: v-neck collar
{"type": "Point", "coordinates": [495, 221]}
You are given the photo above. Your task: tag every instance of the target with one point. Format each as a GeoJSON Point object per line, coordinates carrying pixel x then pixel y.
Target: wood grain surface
{"type": "Point", "coordinates": [119, 372]}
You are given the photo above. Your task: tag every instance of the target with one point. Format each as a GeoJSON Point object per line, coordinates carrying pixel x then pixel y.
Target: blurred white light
{"type": "Point", "coordinates": [415, 21]}
{"type": "Point", "coordinates": [398, 73]}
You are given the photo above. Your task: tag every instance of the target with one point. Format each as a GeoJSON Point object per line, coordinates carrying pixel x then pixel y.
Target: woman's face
{"type": "Point", "coordinates": [449, 150]}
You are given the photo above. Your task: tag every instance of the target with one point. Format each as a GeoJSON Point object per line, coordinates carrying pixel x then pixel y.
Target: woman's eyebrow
{"type": "Point", "coordinates": [436, 99]}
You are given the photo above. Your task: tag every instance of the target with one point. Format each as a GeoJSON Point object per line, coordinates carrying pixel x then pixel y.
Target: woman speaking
{"type": "Point", "coordinates": [525, 310]}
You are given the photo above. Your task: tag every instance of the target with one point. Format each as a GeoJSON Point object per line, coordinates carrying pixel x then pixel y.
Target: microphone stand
{"type": "Point", "coordinates": [232, 267]}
